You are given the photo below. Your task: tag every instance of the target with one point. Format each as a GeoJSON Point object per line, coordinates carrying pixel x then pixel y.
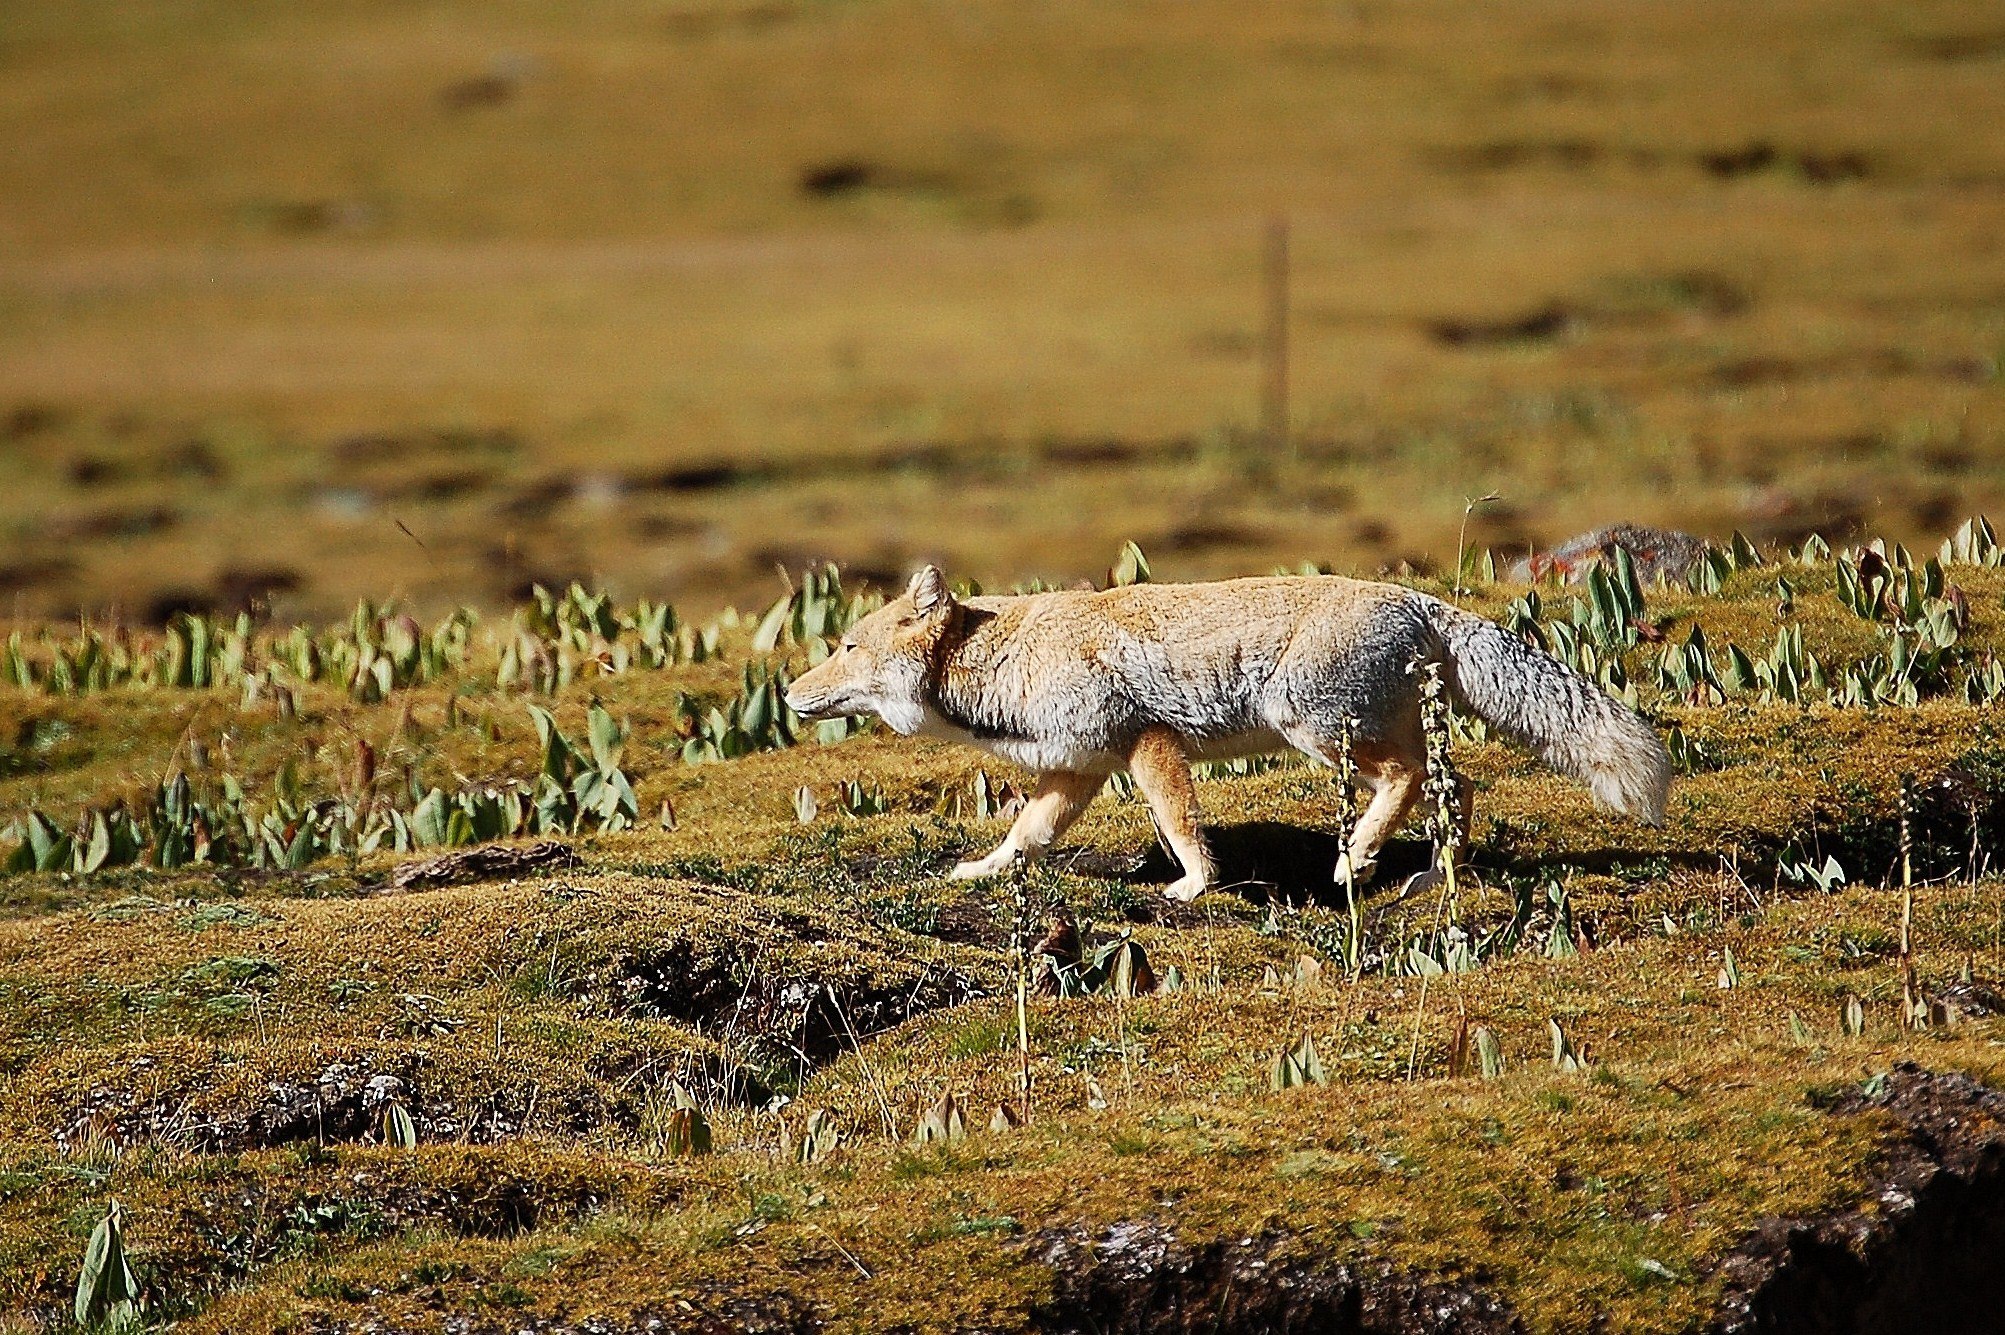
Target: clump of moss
{"type": "Point", "coordinates": [220, 1050]}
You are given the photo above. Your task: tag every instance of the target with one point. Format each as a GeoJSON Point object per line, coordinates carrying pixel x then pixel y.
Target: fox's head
{"type": "Point", "coordinates": [884, 662]}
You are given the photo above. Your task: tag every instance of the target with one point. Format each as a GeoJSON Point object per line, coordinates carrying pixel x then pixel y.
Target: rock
{"type": "Point", "coordinates": [1658, 553]}
{"type": "Point", "coordinates": [485, 863]}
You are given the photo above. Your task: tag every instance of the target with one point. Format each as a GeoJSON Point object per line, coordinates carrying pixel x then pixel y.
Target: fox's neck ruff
{"type": "Point", "coordinates": [965, 723]}
{"type": "Point", "coordinates": [949, 692]}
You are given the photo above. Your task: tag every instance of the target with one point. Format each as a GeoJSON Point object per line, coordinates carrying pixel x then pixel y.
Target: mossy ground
{"type": "Point", "coordinates": [202, 1044]}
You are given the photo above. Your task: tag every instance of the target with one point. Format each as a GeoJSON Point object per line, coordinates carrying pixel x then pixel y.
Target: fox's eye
{"type": "Point", "coordinates": [848, 645]}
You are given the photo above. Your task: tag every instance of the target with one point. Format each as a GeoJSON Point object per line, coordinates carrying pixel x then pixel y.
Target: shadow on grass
{"type": "Point", "coordinates": [1263, 860]}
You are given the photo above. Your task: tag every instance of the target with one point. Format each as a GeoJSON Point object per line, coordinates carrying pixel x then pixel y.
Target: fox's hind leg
{"type": "Point", "coordinates": [1394, 766]}
{"type": "Point", "coordinates": [1162, 772]}
{"type": "Point", "coordinates": [1396, 786]}
{"type": "Point", "coordinates": [1059, 798]}
{"type": "Point", "coordinates": [1399, 780]}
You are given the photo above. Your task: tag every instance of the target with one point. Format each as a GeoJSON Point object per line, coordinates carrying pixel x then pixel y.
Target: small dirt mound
{"type": "Point", "coordinates": [207, 1098]}
{"type": "Point", "coordinates": [1138, 1279]}
{"type": "Point", "coordinates": [1658, 553]}
{"type": "Point", "coordinates": [1924, 1251]}
{"type": "Point", "coordinates": [1552, 321]}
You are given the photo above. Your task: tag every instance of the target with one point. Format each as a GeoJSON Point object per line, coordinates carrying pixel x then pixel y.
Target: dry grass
{"type": "Point", "coordinates": [1750, 255]}
{"type": "Point", "coordinates": [298, 306]}
{"type": "Point", "coordinates": [1699, 1116]}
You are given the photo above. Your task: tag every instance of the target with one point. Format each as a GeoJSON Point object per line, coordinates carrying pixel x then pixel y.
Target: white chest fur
{"type": "Point", "coordinates": [1036, 754]}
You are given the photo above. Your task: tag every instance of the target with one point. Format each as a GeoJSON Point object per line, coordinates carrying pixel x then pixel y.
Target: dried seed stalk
{"type": "Point", "coordinates": [1443, 789]}
{"type": "Point", "coordinates": [1347, 775]}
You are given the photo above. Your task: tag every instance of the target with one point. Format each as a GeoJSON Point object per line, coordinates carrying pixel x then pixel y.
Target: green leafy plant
{"type": "Point", "coordinates": [1686, 671]}
{"type": "Point", "coordinates": [1121, 968]}
{"type": "Point", "coordinates": [1720, 563]}
{"type": "Point", "coordinates": [1296, 1066]}
{"type": "Point", "coordinates": [943, 1123]}
{"type": "Point", "coordinates": [1565, 1056]}
{"type": "Point", "coordinates": [107, 1290]}
{"type": "Point", "coordinates": [583, 787]}
{"type": "Point", "coordinates": [856, 800]}
{"type": "Point", "coordinates": [757, 719]}
{"type": "Point", "coordinates": [684, 1130]}
{"type": "Point", "coordinates": [821, 1137]}
{"type": "Point", "coordinates": [399, 1129]}
{"type": "Point", "coordinates": [1827, 876]}
{"type": "Point", "coordinates": [1489, 1053]}
{"type": "Point", "coordinates": [1974, 544]}
{"type": "Point", "coordinates": [1130, 567]}
{"type": "Point", "coordinates": [817, 611]}
{"type": "Point", "coordinates": [1611, 614]}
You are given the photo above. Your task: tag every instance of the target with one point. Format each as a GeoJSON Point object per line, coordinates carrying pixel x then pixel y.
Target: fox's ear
{"type": "Point", "coordinates": [928, 591]}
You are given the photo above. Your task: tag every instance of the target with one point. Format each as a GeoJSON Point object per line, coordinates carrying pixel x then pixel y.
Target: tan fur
{"type": "Point", "coordinates": [1075, 685]}
{"type": "Point", "coordinates": [1162, 772]}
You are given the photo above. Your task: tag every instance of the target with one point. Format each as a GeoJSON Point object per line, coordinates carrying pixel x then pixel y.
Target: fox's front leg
{"type": "Point", "coordinates": [1162, 772]}
{"type": "Point", "coordinates": [1057, 801]}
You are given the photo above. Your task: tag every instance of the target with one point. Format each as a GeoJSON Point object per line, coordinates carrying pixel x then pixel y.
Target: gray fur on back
{"type": "Point", "coordinates": [1566, 720]}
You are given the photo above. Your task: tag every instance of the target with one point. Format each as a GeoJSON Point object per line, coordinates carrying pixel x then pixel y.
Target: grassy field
{"type": "Point", "coordinates": [466, 938]}
{"type": "Point", "coordinates": [305, 304]}
{"type": "Point", "coordinates": [331, 1093]}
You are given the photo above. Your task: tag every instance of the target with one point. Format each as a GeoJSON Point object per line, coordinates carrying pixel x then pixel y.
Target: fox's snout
{"type": "Point", "coordinates": [812, 696]}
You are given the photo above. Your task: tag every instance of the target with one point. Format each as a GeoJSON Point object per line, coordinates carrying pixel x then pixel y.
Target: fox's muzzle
{"type": "Point", "coordinates": [824, 692]}
{"type": "Point", "coordinates": [807, 706]}
{"type": "Point", "coordinates": [812, 705]}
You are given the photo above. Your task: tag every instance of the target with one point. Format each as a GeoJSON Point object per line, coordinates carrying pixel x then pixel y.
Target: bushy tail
{"type": "Point", "coordinates": [1566, 720]}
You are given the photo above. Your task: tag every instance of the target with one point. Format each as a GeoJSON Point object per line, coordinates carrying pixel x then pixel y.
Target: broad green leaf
{"type": "Point", "coordinates": [399, 1128]}
{"type": "Point", "coordinates": [556, 751]}
{"type": "Point", "coordinates": [107, 1290]}
{"type": "Point", "coordinates": [98, 852]}
{"type": "Point", "coordinates": [300, 852]}
{"type": "Point", "coordinates": [429, 820]}
{"type": "Point", "coordinates": [1489, 1053]}
{"type": "Point", "coordinates": [607, 738]}
{"type": "Point", "coordinates": [772, 626]}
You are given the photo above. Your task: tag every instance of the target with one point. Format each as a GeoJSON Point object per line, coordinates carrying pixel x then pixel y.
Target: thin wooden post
{"type": "Point", "coordinates": [1274, 393]}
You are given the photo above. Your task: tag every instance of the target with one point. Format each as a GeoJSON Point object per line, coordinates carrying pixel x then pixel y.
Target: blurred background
{"type": "Point", "coordinates": [306, 302]}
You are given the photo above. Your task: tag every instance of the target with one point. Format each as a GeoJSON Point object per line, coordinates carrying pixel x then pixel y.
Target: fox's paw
{"type": "Point", "coordinates": [1358, 873]}
{"type": "Point", "coordinates": [976, 868]}
{"type": "Point", "coordinates": [1184, 891]}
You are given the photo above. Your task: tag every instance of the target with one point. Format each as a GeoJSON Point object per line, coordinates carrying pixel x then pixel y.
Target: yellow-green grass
{"type": "Point", "coordinates": [1768, 783]}
{"type": "Point", "coordinates": [1700, 1115]}
{"type": "Point", "coordinates": [201, 1044]}
{"type": "Point", "coordinates": [272, 234]}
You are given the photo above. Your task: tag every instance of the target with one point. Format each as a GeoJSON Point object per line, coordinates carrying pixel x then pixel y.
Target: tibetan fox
{"type": "Point", "coordinates": [1149, 677]}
